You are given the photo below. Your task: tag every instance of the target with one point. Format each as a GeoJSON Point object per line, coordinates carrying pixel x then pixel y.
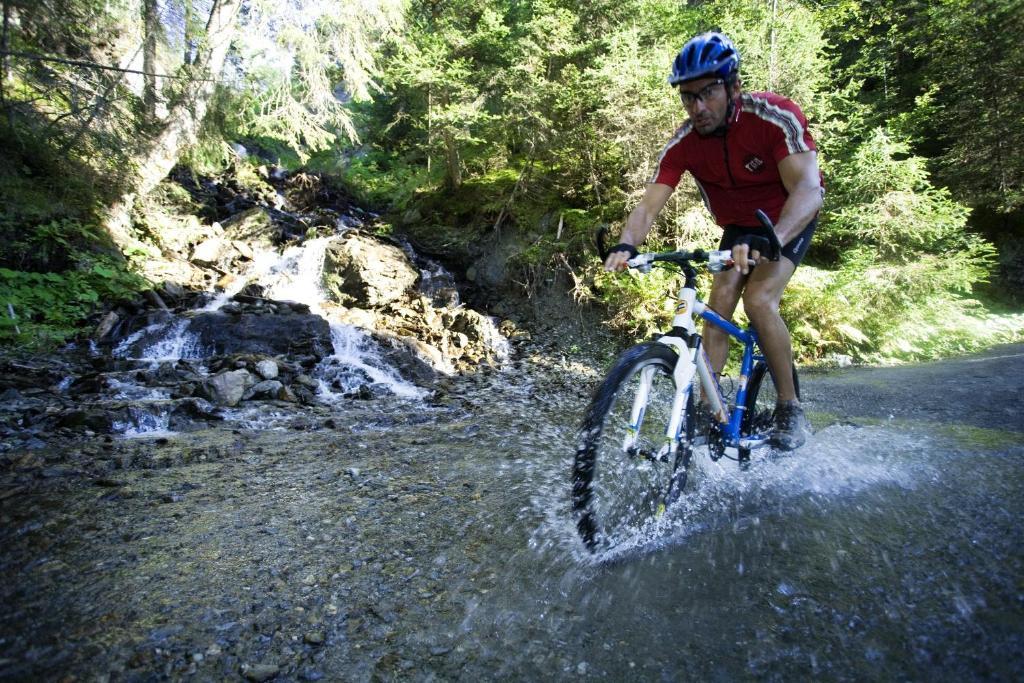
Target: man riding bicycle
{"type": "Point", "coordinates": [746, 151]}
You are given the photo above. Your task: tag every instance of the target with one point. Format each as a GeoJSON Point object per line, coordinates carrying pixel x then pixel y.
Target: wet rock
{"type": "Point", "coordinates": [304, 395]}
{"type": "Point", "coordinates": [96, 420]}
{"type": "Point", "coordinates": [269, 388]}
{"type": "Point", "coordinates": [228, 388]}
{"type": "Point", "coordinates": [408, 354]}
{"type": "Point", "coordinates": [107, 323]}
{"type": "Point", "coordinates": [286, 333]}
{"type": "Point", "coordinates": [93, 383]}
{"type": "Point", "coordinates": [172, 291]}
{"type": "Point", "coordinates": [260, 672]}
{"type": "Point", "coordinates": [187, 410]}
{"type": "Point", "coordinates": [267, 369]}
{"type": "Point", "coordinates": [365, 272]}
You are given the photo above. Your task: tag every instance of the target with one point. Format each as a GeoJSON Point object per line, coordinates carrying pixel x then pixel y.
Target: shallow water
{"type": "Point", "coordinates": [432, 540]}
{"type": "Point", "coordinates": [865, 554]}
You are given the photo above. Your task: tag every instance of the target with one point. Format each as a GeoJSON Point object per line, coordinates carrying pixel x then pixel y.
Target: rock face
{"type": "Point", "coordinates": [272, 333]}
{"type": "Point", "coordinates": [321, 309]}
{"type": "Point", "coordinates": [364, 272]}
{"type": "Point", "coordinates": [252, 227]}
{"type": "Point", "coordinates": [453, 339]}
{"type": "Point", "coordinates": [209, 251]}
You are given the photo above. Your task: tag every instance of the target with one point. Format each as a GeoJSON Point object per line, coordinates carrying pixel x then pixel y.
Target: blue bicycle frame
{"type": "Point", "coordinates": [748, 337]}
{"type": "Point", "coordinates": [694, 361]}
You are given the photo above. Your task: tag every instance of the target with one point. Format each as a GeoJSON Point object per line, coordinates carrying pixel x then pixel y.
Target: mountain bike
{"type": "Point", "coordinates": [640, 429]}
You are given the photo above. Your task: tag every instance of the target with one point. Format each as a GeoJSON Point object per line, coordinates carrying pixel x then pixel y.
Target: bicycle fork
{"type": "Point", "coordinates": [691, 361]}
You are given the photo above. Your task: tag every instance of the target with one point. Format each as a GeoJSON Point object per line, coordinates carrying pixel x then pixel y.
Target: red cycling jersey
{"type": "Point", "coordinates": [738, 172]}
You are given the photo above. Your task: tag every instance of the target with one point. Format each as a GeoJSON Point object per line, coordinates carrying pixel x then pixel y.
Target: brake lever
{"type": "Point", "coordinates": [772, 237]}
{"type": "Point", "coordinates": [641, 262]}
{"type": "Point", "coordinates": [720, 260]}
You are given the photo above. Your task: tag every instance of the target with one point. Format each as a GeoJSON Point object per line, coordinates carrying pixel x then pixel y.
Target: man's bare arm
{"type": "Point", "coordinates": [639, 223]}
{"type": "Point", "coordinates": [802, 180]}
{"type": "Point", "coordinates": [799, 173]}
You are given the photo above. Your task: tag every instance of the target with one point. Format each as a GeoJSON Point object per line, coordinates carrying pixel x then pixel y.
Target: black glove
{"type": "Point", "coordinates": [628, 248]}
{"type": "Point", "coordinates": [761, 245]}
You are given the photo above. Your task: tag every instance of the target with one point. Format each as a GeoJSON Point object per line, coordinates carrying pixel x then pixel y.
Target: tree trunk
{"type": "Point", "coordinates": [454, 162]}
{"type": "Point", "coordinates": [158, 155]}
{"type": "Point", "coordinates": [5, 66]}
{"type": "Point", "coordinates": [186, 58]}
{"type": "Point", "coordinates": [151, 27]}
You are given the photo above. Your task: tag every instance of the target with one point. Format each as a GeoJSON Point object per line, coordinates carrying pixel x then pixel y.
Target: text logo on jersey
{"type": "Point", "coordinates": [753, 164]}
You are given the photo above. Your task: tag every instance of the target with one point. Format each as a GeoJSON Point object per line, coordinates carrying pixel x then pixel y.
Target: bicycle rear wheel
{"type": "Point", "coordinates": [616, 491]}
{"type": "Point", "coordinates": [759, 416]}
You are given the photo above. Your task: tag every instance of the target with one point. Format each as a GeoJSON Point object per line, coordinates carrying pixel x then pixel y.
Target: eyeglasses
{"type": "Point", "coordinates": [704, 94]}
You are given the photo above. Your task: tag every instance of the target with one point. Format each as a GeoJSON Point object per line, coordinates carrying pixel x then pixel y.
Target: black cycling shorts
{"type": "Point", "coordinates": [794, 251]}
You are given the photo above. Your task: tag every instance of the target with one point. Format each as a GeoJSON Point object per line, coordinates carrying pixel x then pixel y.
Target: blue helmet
{"type": "Point", "coordinates": [709, 54]}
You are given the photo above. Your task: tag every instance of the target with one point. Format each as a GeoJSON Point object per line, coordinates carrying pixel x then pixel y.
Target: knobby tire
{"type": "Point", "coordinates": [616, 493]}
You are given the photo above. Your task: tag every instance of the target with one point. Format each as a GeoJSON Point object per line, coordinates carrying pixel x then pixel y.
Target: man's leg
{"type": "Point", "coordinates": [761, 300]}
{"type": "Point", "coordinates": [725, 294]}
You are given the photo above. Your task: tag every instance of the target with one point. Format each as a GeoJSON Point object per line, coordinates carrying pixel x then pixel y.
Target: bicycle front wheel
{"type": "Point", "coordinates": [625, 473]}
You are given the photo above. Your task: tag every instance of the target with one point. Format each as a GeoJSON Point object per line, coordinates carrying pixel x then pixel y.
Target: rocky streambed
{"type": "Point", "coordinates": [346, 543]}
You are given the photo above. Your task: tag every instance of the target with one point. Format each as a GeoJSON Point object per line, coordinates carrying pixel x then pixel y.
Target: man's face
{"type": "Point", "coordinates": [706, 100]}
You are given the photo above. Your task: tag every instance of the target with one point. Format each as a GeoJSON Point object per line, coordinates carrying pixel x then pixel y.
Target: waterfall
{"type": "Point", "coordinates": [297, 276]}
{"type": "Point", "coordinates": [162, 342]}
{"type": "Point", "coordinates": [354, 349]}
{"type": "Point", "coordinates": [359, 364]}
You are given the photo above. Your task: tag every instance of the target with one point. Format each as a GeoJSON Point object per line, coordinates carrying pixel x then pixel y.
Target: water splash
{"type": "Point", "coordinates": [838, 461]}
{"type": "Point", "coordinates": [168, 342]}
{"type": "Point", "coordinates": [133, 391]}
{"type": "Point", "coordinates": [297, 275]}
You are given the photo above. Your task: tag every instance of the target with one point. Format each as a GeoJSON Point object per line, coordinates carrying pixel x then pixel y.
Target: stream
{"type": "Point", "coordinates": [429, 539]}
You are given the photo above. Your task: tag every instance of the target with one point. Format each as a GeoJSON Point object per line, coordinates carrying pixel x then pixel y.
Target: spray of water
{"type": "Point", "coordinates": [838, 461]}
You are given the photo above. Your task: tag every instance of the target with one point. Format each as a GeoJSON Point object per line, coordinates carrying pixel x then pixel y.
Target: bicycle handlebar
{"type": "Point", "coordinates": [717, 260]}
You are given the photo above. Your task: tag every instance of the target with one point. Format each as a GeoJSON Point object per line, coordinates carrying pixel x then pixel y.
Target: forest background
{"type": "Point", "coordinates": [515, 128]}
